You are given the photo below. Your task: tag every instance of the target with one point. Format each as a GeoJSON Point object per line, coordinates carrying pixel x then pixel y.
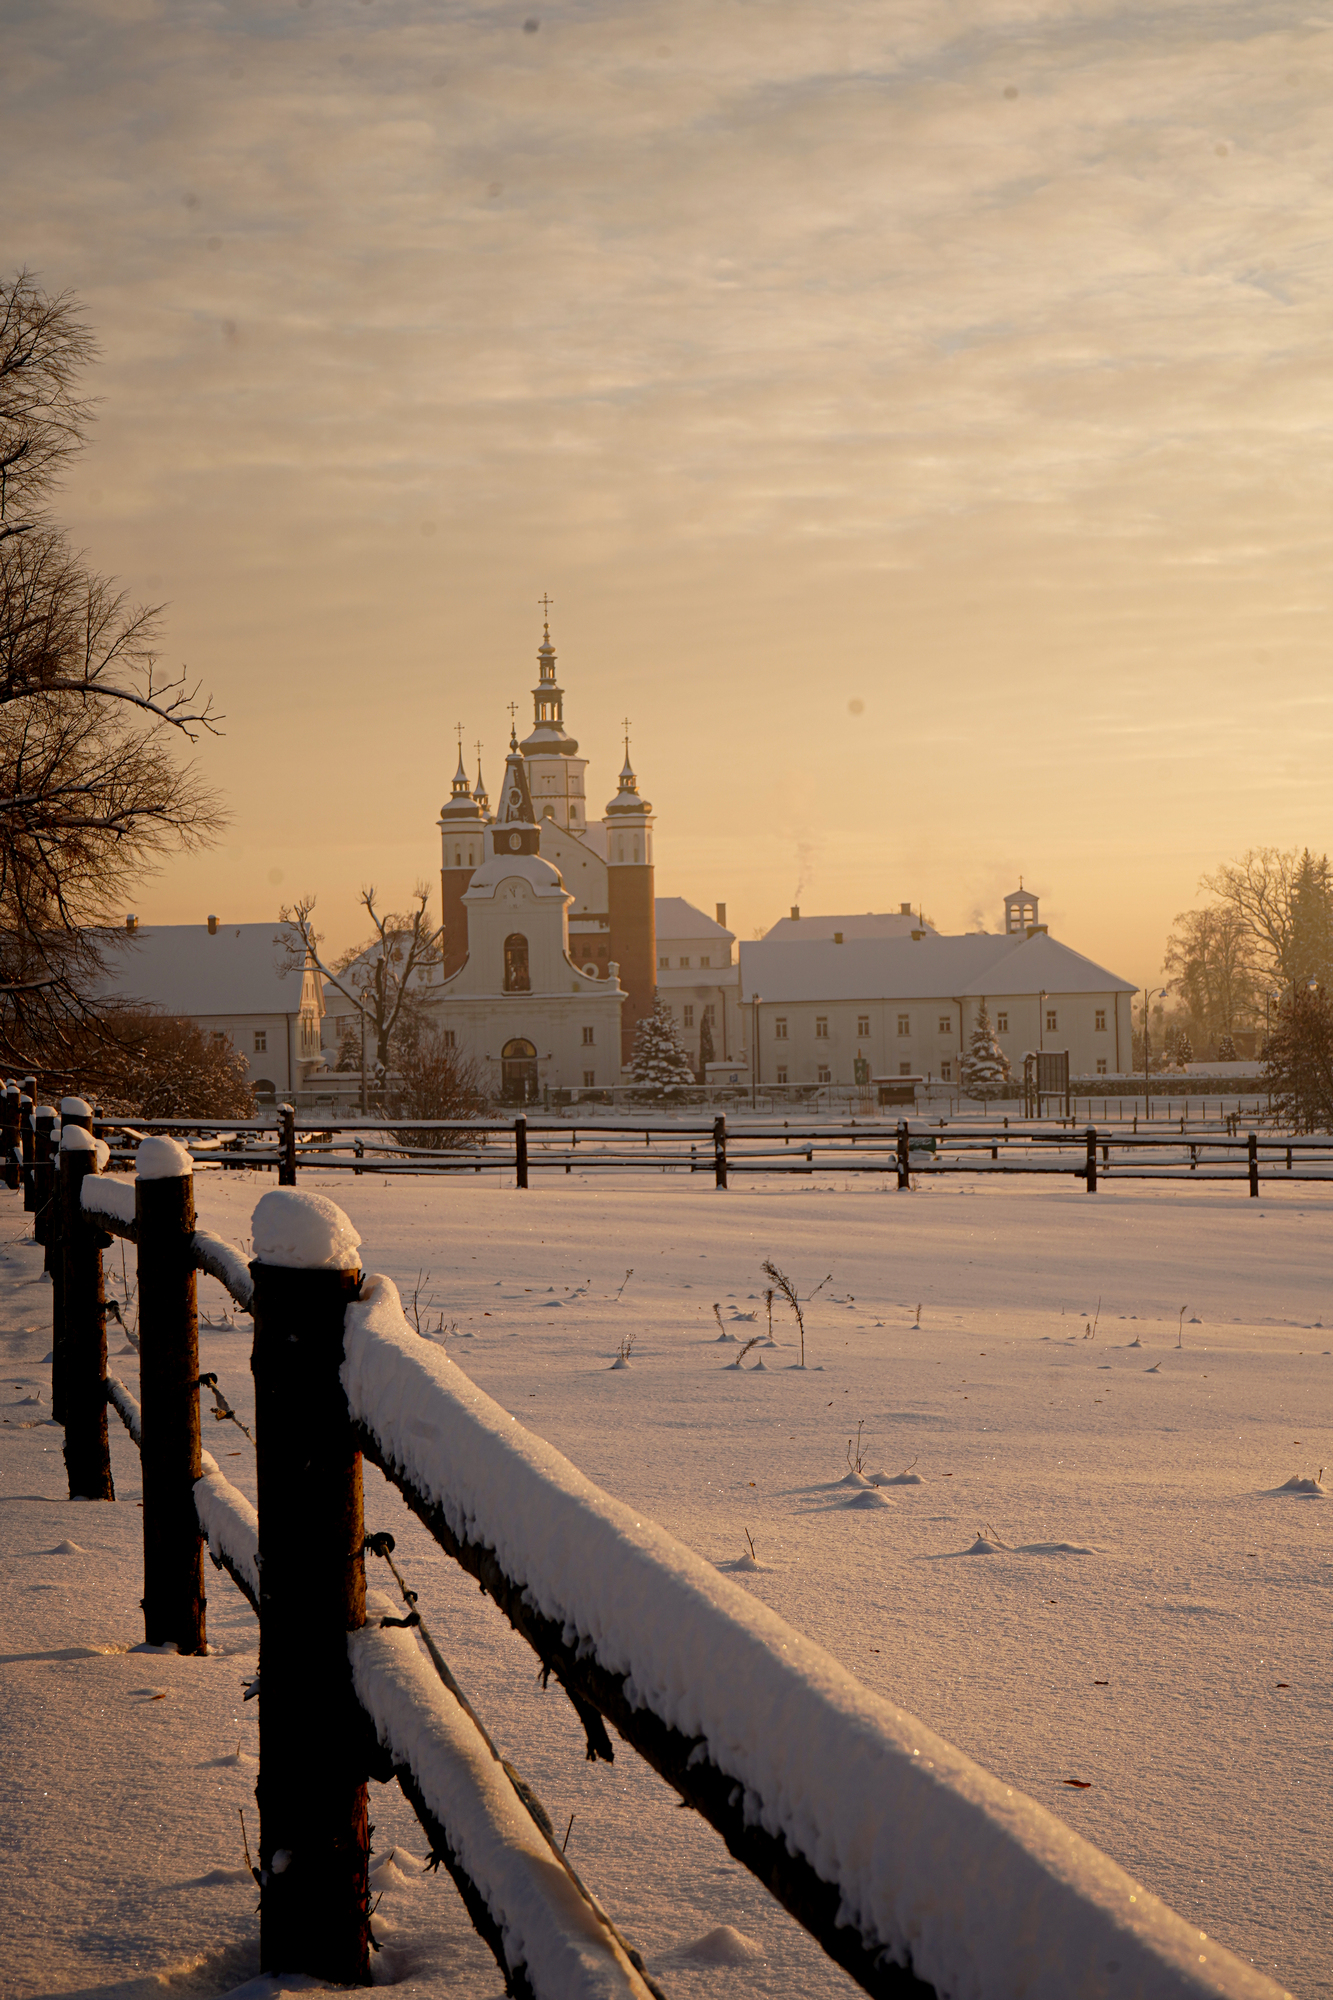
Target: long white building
{"type": "Point", "coordinates": [831, 1006]}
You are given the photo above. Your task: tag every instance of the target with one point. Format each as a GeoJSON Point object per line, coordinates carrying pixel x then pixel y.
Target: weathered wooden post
{"type": "Point", "coordinates": [1253, 1150]}
{"type": "Point", "coordinates": [27, 1144]}
{"type": "Point", "coordinates": [313, 1737]}
{"type": "Point", "coordinates": [904, 1156]}
{"type": "Point", "coordinates": [9, 1126]}
{"type": "Point", "coordinates": [1092, 1159]}
{"type": "Point", "coordinates": [720, 1151]}
{"type": "Point", "coordinates": [521, 1151]}
{"type": "Point", "coordinates": [43, 1119]}
{"type": "Point", "coordinates": [173, 1559]}
{"type": "Point", "coordinates": [83, 1384]}
{"type": "Point", "coordinates": [287, 1144]}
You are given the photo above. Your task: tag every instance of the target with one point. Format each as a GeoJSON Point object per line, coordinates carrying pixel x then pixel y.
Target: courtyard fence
{"type": "Point", "coordinates": [916, 1871]}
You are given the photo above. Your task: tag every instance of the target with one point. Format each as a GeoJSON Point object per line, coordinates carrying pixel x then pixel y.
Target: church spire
{"type": "Point", "coordinates": [514, 829]}
{"type": "Point", "coordinates": [548, 736]}
{"type": "Point", "coordinates": [627, 801]}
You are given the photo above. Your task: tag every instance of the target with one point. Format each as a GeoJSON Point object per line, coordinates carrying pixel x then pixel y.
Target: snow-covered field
{"type": "Point", "coordinates": [1179, 1669]}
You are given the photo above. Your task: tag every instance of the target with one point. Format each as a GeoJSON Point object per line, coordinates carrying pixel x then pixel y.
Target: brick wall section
{"type": "Point", "coordinates": [633, 945]}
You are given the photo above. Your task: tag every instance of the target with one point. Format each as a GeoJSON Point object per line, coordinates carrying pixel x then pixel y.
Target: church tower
{"type": "Point", "coordinates": [461, 821]}
{"type": "Point", "coordinates": [556, 772]}
{"type": "Point", "coordinates": [628, 821]}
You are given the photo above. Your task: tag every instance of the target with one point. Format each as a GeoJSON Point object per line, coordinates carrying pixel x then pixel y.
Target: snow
{"type": "Point", "coordinates": [75, 1107]}
{"type": "Point", "coordinates": [127, 1406]}
{"type": "Point", "coordinates": [103, 1195]}
{"type": "Point", "coordinates": [226, 1262]}
{"type": "Point", "coordinates": [1204, 1611]}
{"type": "Point", "coordinates": [228, 1520]}
{"type": "Point", "coordinates": [161, 1159]}
{"type": "Point", "coordinates": [74, 1139]}
{"type": "Point", "coordinates": [303, 1231]}
{"type": "Point", "coordinates": [545, 1924]}
{"type": "Point", "coordinates": [929, 1852]}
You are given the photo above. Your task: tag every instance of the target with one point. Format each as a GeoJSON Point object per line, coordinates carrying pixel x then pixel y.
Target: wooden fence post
{"type": "Point", "coordinates": [43, 1178]}
{"type": "Point", "coordinates": [9, 1125]}
{"type": "Point", "coordinates": [1254, 1165]}
{"type": "Point", "coordinates": [904, 1156]}
{"type": "Point", "coordinates": [720, 1150]}
{"type": "Point", "coordinates": [173, 1558]}
{"type": "Point", "coordinates": [521, 1151]}
{"type": "Point", "coordinates": [87, 1449]}
{"type": "Point", "coordinates": [287, 1143]}
{"type": "Point", "coordinates": [313, 1742]}
{"type": "Point", "coordinates": [1092, 1159]}
{"type": "Point", "coordinates": [27, 1142]}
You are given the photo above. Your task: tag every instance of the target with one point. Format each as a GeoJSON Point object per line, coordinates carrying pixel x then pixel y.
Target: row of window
{"type": "Point", "coordinates": [946, 1024]}
{"type": "Point", "coordinates": [684, 964]}
{"type": "Point", "coordinates": [707, 1012]}
{"type": "Point", "coordinates": [824, 1074]}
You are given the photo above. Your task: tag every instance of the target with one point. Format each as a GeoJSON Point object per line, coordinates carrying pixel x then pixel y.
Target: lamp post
{"type": "Point", "coordinates": [754, 1051]}
{"type": "Point", "coordinates": [1041, 1019]}
{"type": "Point", "coordinates": [1158, 993]}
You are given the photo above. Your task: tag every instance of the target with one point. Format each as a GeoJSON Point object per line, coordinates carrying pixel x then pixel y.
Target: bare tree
{"type": "Point", "coordinates": [91, 793]}
{"type": "Point", "coordinates": [44, 348]}
{"type": "Point", "coordinates": [1211, 958]}
{"type": "Point", "coordinates": [1283, 901]}
{"type": "Point", "coordinates": [380, 978]}
{"type": "Point", "coordinates": [149, 1065]}
{"type": "Point", "coordinates": [436, 1081]}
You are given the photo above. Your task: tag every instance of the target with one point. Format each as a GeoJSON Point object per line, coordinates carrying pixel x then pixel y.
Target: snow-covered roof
{"type": "Point", "coordinates": [541, 876]}
{"type": "Point", "coordinates": [871, 924]}
{"type": "Point", "coordinates": [933, 967]}
{"type": "Point", "coordinates": [675, 918]}
{"type": "Point", "coordinates": [183, 969]}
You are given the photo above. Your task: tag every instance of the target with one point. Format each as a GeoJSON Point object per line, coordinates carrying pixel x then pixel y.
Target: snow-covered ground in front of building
{"type": "Point", "coordinates": [1179, 1669]}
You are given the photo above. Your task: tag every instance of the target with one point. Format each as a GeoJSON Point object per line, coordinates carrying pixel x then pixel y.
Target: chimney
{"type": "Point", "coordinates": [837, 937]}
{"type": "Point", "coordinates": [212, 927]}
{"type": "Point", "coordinates": [722, 915]}
{"type": "Point", "coordinates": [796, 913]}
{"type": "Point", "coordinates": [904, 909]}
{"type": "Point", "coordinates": [131, 923]}
{"type": "Point", "coordinates": [918, 935]}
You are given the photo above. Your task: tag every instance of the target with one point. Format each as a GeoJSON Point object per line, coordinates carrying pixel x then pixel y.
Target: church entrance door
{"type": "Point", "coordinates": [518, 1072]}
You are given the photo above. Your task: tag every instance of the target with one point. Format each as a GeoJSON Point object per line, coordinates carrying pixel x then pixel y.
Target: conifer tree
{"type": "Point", "coordinates": [1226, 1050]}
{"type": "Point", "coordinates": [984, 1068]}
{"type": "Point", "coordinates": [1184, 1048]}
{"type": "Point", "coordinates": [658, 1063]}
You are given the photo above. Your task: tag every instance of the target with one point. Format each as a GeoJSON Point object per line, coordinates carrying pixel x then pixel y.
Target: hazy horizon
{"type": "Point", "coordinates": [965, 364]}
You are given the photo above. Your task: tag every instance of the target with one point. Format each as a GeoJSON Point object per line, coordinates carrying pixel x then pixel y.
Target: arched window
{"type": "Point", "coordinates": [518, 1071]}
{"type": "Point", "coordinates": [516, 964]}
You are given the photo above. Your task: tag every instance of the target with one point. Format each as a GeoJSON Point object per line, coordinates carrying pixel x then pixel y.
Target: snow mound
{"type": "Point", "coordinates": [934, 1861]}
{"type": "Point", "coordinates": [68, 1548]}
{"type": "Point", "coordinates": [1306, 1489]}
{"type": "Point", "coordinates": [985, 1547]}
{"type": "Point", "coordinates": [222, 1878]}
{"type": "Point", "coordinates": [723, 1946]}
{"type": "Point", "coordinates": [160, 1159]}
{"type": "Point", "coordinates": [871, 1497]}
{"type": "Point", "coordinates": [73, 1139]}
{"type": "Point", "coordinates": [853, 1479]}
{"type": "Point", "coordinates": [303, 1232]}
{"type": "Point", "coordinates": [897, 1479]}
{"type": "Point", "coordinates": [1053, 1549]}
{"type": "Point", "coordinates": [620, 1362]}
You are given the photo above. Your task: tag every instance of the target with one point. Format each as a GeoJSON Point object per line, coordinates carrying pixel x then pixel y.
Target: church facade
{"type": "Point", "coordinates": [605, 863]}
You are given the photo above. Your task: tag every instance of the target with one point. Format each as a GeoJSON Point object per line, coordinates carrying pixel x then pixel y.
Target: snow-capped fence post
{"type": "Point", "coordinates": [43, 1177]}
{"type": "Point", "coordinates": [313, 1744]}
{"type": "Point", "coordinates": [27, 1141]}
{"type": "Point", "coordinates": [720, 1151]}
{"type": "Point", "coordinates": [9, 1116]}
{"type": "Point", "coordinates": [521, 1151]}
{"type": "Point", "coordinates": [1092, 1159]}
{"type": "Point", "coordinates": [287, 1145]}
{"type": "Point", "coordinates": [81, 1341]}
{"type": "Point", "coordinates": [173, 1559]}
{"type": "Point", "coordinates": [1253, 1150]}
{"type": "Point", "coordinates": [904, 1156]}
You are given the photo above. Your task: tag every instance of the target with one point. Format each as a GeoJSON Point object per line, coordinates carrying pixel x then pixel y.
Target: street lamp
{"type": "Point", "coordinates": [1158, 993]}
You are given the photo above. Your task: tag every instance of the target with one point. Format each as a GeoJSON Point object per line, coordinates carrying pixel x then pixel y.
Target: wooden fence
{"type": "Point", "coordinates": [916, 1872]}
{"type": "Point", "coordinates": [1095, 1154]}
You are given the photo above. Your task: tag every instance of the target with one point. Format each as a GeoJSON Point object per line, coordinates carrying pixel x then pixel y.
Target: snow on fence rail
{"type": "Point", "coordinates": [916, 1870]}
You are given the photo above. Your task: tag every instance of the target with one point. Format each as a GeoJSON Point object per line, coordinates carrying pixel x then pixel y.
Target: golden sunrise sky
{"type": "Point", "coordinates": [969, 362]}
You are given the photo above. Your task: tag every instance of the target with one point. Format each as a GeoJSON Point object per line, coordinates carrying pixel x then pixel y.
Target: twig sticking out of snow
{"type": "Point", "coordinates": [624, 1281]}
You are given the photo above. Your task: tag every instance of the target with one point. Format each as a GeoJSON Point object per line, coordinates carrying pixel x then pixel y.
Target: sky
{"type": "Point", "coordinates": [918, 416]}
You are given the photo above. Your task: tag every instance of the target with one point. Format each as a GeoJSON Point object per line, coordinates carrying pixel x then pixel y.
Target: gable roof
{"type": "Point", "coordinates": [983, 964]}
{"type": "Point", "coordinates": [675, 918]}
{"type": "Point", "coordinates": [183, 970]}
{"type": "Point", "coordinates": [867, 924]}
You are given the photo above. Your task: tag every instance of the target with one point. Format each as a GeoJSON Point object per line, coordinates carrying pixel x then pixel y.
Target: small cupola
{"type": "Point", "coordinates": [1020, 912]}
